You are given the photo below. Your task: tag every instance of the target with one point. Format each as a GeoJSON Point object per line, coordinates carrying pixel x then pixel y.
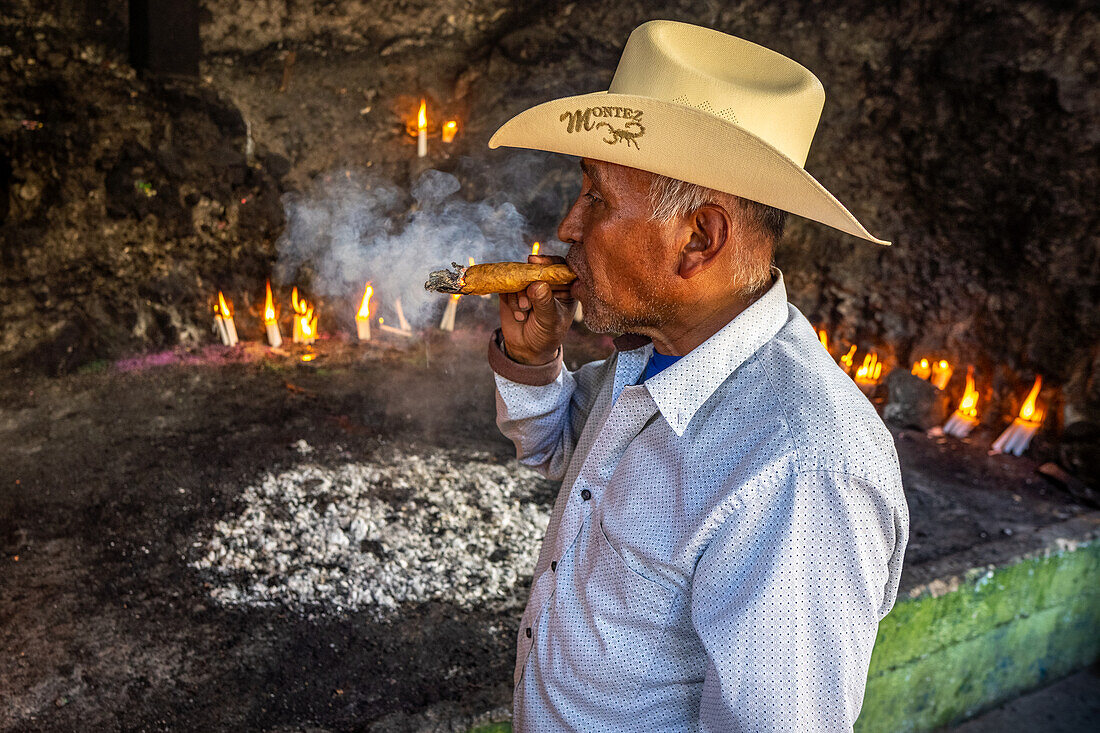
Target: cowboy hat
{"type": "Point", "coordinates": [700, 106]}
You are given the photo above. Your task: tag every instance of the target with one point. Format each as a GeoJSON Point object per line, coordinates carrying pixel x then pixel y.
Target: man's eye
{"type": "Point", "coordinates": [591, 196]}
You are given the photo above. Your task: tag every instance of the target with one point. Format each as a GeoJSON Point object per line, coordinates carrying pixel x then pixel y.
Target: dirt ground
{"type": "Point", "coordinates": [109, 479]}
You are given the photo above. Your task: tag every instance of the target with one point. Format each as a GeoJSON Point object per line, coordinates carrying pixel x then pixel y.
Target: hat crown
{"type": "Point", "coordinates": [755, 88]}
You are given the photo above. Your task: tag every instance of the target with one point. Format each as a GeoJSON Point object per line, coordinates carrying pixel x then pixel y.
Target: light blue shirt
{"type": "Point", "coordinates": [727, 537]}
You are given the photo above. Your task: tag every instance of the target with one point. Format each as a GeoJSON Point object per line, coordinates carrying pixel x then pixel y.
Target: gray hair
{"type": "Point", "coordinates": [672, 198]}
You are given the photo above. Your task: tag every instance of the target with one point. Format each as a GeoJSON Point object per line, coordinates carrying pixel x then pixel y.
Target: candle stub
{"type": "Point", "coordinates": [448, 321]}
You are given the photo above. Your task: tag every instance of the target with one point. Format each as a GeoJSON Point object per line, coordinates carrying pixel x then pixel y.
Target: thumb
{"type": "Point", "coordinates": [542, 303]}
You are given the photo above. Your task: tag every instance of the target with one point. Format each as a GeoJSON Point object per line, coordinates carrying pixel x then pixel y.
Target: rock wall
{"type": "Point", "coordinates": [965, 132]}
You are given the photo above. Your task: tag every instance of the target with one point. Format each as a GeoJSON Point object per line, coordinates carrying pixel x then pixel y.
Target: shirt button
{"type": "Point", "coordinates": [554, 566]}
{"type": "Point", "coordinates": [586, 494]}
{"type": "Point", "coordinates": [528, 632]}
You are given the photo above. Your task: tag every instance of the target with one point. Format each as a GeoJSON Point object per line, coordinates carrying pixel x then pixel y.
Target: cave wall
{"type": "Point", "coordinates": [965, 132]}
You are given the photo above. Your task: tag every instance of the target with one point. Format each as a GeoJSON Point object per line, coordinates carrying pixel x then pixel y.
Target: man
{"type": "Point", "coordinates": [731, 522]}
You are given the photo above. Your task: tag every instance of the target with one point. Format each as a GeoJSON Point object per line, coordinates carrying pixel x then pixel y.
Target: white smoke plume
{"type": "Point", "coordinates": [352, 227]}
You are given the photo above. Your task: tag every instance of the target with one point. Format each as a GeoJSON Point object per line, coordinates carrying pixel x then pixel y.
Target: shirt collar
{"type": "Point", "coordinates": [681, 389]}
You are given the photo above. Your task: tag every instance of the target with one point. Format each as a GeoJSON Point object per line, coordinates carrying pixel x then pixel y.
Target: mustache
{"type": "Point", "coordinates": [577, 264]}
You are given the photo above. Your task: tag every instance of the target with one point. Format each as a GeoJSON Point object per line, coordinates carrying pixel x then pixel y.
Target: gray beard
{"type": "Point", "coordinates": [602, 317]}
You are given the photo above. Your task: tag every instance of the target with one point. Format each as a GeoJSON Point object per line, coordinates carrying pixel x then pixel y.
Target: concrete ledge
{"type": "Point", "coordinates": [961, 643]}
{"type": "Point", "coordinates": [979, 627]}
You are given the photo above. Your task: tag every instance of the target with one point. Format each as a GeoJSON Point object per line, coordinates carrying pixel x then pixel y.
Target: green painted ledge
{"type": "Point", "coordinates": [995, 634]}
{"type": "Point", "coordinates": [968, 641]}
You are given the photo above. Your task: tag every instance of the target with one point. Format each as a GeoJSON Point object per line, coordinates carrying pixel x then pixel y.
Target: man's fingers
{"type": "Point", "coordinates": [541, 297]}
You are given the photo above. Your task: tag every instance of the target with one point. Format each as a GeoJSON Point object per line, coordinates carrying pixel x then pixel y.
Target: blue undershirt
{"type": "Point", "coordinates": [658, 362]}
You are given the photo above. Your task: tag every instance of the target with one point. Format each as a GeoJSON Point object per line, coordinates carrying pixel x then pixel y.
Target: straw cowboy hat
{"type": "Point", "coordinates": [700, 106]}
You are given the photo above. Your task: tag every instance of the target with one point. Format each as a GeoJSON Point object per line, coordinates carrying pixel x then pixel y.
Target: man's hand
{"type": "Point", "coordinates": [534, 322]}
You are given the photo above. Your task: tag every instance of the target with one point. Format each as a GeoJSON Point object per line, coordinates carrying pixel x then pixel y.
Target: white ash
{"type": "Point", "coordinates": [402, 528]}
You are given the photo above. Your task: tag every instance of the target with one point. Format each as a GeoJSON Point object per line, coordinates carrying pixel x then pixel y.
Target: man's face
{"type": "Point", "coordinates": [625, 263]}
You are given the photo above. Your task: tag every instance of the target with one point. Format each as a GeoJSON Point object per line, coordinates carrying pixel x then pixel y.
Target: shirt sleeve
{"type": "Point", "coordinates": [542, 409]}
{"type": "Point", "coordinates": [786, 600]}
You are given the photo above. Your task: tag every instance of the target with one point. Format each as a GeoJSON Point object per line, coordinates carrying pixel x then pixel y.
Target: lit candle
{"type": "Point", "coordinates": [922, 369]}
{"type": "Point", "coordinates": [941, 374]}
{"type": "Point", "coordinates": [450, 127]}
{"type": "Point", "coordinates": [448, 321]}
{"type": "Point", "coordinates": [362, 318]}
{"type": "Point", "coordinates": [305, 322]}
{"type": "Point", "coordinates": [823, 338]}
{"type": "Point", "coordinates": [847, 359]}
{"type": "Point", "coordinates": [963, 419]}
{"type": "Point", "coordinates": [274, 338]}
{"type": "Point", "coordinates": [223, 321]}
{"type": "Point", "coordinates": [1017, 436]}
{"type": "Point", "coordinates": [422, 130]}
{"type": "Point", "coordinates": [868, 374]}
{"type": "Point", "coordinates": [535, 248]}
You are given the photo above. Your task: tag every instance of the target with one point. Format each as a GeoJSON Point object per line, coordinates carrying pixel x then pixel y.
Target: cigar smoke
{"type": "Point", "coordinates": [352, 226]}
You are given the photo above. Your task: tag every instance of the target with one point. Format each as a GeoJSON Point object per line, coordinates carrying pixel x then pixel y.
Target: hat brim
{"type": "Point", "coordinates": [679, 142]}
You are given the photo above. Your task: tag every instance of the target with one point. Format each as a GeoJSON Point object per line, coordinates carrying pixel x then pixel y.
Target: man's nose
{"type": "Point", "coordinates": [569, 230]}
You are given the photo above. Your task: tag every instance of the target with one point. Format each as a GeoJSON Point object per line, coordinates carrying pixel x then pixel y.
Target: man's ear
{"type": "Point", "coordinates": [709, 231]}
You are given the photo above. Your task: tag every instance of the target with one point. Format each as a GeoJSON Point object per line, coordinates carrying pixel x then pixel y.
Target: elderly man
{"type": "Point", "coordinates": [731, 522]}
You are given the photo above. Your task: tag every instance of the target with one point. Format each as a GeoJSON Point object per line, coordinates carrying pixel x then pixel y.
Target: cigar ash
{"type": "Point", "coordinates": [447, 281]}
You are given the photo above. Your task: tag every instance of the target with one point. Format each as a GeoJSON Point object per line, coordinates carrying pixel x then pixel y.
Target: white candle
{"type": "Point", "coordinates": [390, 329]}
{"type": "Point", "coordinates": [1017, 436]}
{"type": "Point", "coordinates": [448, 321]}
{"type": "Point", "coordinates": [362, 318]}
{"type": "Point", "coordinates": [305, 328]}
{"type": "Point", "coordinates": [959, 425]}
{"type": "Point", "coordinates": [226, 330]}
{"type": "Point", "coordinates": [401, 322]}
{"type": "Point", "coordinates": [422, 130]}
{"type": "Point", "coordinates": [965, 417]}
{"type": "Point", "coordinates": [223, 321]}
{"type": "Point", "coordinates": [274, 338]}
{"type": "Point", "coordinates": [941, 374]}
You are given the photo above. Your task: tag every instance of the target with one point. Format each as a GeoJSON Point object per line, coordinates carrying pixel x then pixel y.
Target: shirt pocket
{"type": "Point", "coordinates": [627, 618]}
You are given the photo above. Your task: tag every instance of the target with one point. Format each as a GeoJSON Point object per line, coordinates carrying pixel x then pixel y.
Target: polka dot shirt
{"type": "Point", "coordinates": [727, 536]}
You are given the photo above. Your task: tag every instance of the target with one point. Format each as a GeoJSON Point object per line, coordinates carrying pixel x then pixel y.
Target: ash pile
{"type": "Point", "coordinates": [402, 528]}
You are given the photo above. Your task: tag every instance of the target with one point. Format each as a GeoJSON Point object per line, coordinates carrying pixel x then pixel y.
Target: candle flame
{"type": "Point", "coordinates": [922, 369]}
{"type": "Point", "coordinates": [535, 248]}
{"type": "Point", "coordinates": [1028, 411]}
{"type": "Point", "coordinates": [848, 358]}
{"type": "Point", "coordinates": [222, 309]}
{"type": "Point", "coordinates": [422, 116]}
{"type": "Point", "coordinates": [364, 307]}
{"type": "Point", "coordinates": [309, 322]}
{"type": "Point", "coordinates": [450, 127]}
{"type": "Point", "coordinates": [303, 315]}
{"type": "Point", "coordinates": [269, 306]}
{"type": "Point", "coordinates": [456, 296]}
{"type": "Point", "coordinates": [871, 369]}
{"type": "Point", "coordinates": [823, 338]}
{"type": "Point", "coordinates": [471, 260]}
{"type": "Point", "coordinates": [968, 406]}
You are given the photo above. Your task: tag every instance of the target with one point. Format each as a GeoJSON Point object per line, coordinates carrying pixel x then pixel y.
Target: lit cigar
{"type": "Point", "coordinates": [496, 277]}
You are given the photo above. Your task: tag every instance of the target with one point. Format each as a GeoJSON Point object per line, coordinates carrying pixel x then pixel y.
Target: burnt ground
{"type": "Point", "coordinates": [109, 478]}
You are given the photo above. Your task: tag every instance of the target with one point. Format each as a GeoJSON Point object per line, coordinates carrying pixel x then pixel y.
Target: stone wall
{"type": "Point", "coordinates": [965, 132]}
